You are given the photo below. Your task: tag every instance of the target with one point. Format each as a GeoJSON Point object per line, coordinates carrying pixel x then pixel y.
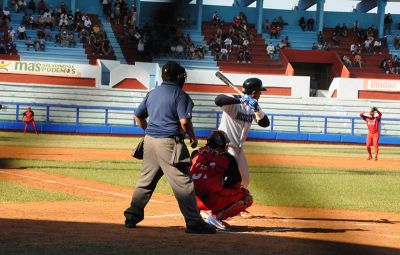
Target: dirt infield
{"type": "Point", "coordinates": [95, 226]}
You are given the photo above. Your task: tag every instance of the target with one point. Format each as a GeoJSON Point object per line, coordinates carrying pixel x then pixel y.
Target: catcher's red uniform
{"type": "Point", "coordinates": [28, 117]}
{"type": "Point", "coordinates": [217, 181]}
{"type": "Point", "coordinates": [373, 132]}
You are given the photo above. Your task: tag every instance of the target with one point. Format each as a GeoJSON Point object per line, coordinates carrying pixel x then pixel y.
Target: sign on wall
{"type": "Point", "coordinates": [40, 68]}
{"type": "Point", "coordinates": [381, 85]}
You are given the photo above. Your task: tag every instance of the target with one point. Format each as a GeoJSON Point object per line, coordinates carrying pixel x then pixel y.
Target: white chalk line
{"type": "Point", "coordinates": [77, 186]}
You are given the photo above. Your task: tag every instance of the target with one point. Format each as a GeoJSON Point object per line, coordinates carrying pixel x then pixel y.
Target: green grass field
{"type": "Point", "coordinates": [277, 185]}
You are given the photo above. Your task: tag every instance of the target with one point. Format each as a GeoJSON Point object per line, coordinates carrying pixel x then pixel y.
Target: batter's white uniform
{"type": "Point", "coordinates": [235, 122]}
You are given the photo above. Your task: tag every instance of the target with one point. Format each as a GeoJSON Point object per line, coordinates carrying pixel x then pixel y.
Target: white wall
{"type": "Point", "coordinates": [347, 88]}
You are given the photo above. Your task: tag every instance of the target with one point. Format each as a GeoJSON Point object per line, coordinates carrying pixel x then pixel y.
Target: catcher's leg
{"type": "Point", "coordinates": [235, 208]}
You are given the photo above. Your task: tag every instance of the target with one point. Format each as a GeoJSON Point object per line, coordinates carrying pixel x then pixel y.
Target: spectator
{"type": "Point", "coordinates": [313, 86]}
{"type": "Point", "coordinates": [310, 24]}
{"type": "Point", "coordinates": [335, 39]}
{"type": "Point", "coordinates": [396, 42]}
{"type": "Point", "coordinates": [228, 43]}
{"type": "Point", "coordinates": [140, 46]}
{"type": "Point", "coordinates": [266, 26]}
{"type": "Point", "coordinates": [343, 30]}
{"type": "Point", "coordinates": [41, 6]}
{"type": "Point", "coordinates": [302, 23]}
{"type": "Point", "coordinates": [356, 26]}
{"type": "Point", "coordinates": [3, 48]}
{"type": "Point", "coordinates": [367, 46]}
{"type": "Point", "coordinates": [240, 56]}
{"type": "Point", "coordinates": [21, 32]}
{"type": "Point", "coordinates": [29, 43]}
{"type": "Point", "coordinates": [273, 32]}
{"type": "Point", "coordinates": [281, 45]}
{"type": "Point", "coordinates": [357, 61]}
{"type": "Point", "coordinates": [377, 47]}
{"type": "Point", "coordinates": [247, 56]}
{"type": "Point", "coordinates": [71, 40]}
{"type": "Point", "coordinates": [271, 50]}
{"type": "Point", "coordinates": [216, 20]}
{"type": "Point", "coordinates": [346, 61]}
{"type": "Point", "coordinates": [314, 46]}
{"type": "Point", "coordinates": [388, 24]}
{"type": "Point", "coordinates": [107, 49]}
{"type": "Point", "coordinates": [11, 34]}
{"type": "Point", "coordinates": [223, 54]}
{"type": "Point", "coordinates": [286, 40]}
{"type": "Point", "coordinates": [353, 48]}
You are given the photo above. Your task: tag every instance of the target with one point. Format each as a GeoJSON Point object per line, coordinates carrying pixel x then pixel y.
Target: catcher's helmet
{"type": "Point", "coordinates": [217, 139]}
{"type": "Point", "coordinates": [173, 72]}
{"type": "Point", "coordinates": [252, 84]}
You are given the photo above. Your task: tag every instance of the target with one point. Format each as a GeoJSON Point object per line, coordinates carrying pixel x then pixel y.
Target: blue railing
{"type": "Point", "coordinates": [282, 127]}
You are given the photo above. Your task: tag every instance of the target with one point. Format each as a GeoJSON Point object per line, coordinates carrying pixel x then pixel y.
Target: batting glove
{"type": "Point", "coordinates": [245, 98]}
{"type": "Point", "coordinates": [253, 104]}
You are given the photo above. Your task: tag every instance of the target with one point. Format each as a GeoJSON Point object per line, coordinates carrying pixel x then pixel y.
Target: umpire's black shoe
{"type": "Point", "coordinates": [201, 228]}
{"type": "Point", "coordinates": [130, 224]}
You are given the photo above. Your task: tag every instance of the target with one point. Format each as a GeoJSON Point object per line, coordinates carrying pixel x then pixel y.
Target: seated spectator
{"type": "Point", "coordinates": [266, 26]}
{"type": "Point", "coordinates": [41, 6]}
{"type": "Point", "coordinates": [302, 23]}
{"type": "Point", "coordinates": [310, 24]}
{"type": "Point", "coordinates": [21, 32]}
{"type": "Point", "coordinates": [71, 40]}
{"type": "Point", "coordinates": [320, 38]}
{"type": "Point", "coordinates": [271, 50]}
{"type": "Point", "coordinates": [346, 61]}
{"type": "Point", "coordinates": [396, 64]}
{"type": "Point", "coordinates": [11, 47]}
{"type": "Point", "coordinates": [179, 51]}
{"type": "Point", "coordinates": [29, 43]}
{"type": "Point", "coordinates": [228, 43]}
{"type": "Point", "coordinates": [87, 23]}
{"type": "Point", "coordinates": [97, 47]}
{"type": "Point", "coordinates": [223, 54]}
{"type": "Point", "coordinates": [21, 6]}
{"type": "Point", "coordinates": [245, 43]}
{"type": "Point", "coordinates": [343, 30]}
{"type": "Point", "coordinates": [240, 56]}
{"type": "Point", "coordinates": [377, 47]}
{"type": "Point", "coordinates": [32, 5]}
{"type": "Point", "coordinates": [199, 51]}
{"type": "Point", "coordinates": [314, 46]}
{"type": "Point", "coordinates": [40, 44]}
{"type": "Point", "coordinates": [286, 40]}
{"type": "Point", "coordinates": [281, 45]}
{"type": "Point", "coordinates": [107, 49]}
{"type": "Point", "coordinates": [3, 48]}
{"type": "Point", "coordinates": [216, 18]}
{"type": "Point", "coordinates": [353, 49]}
{"type": "Point", "coordinates": [335, 40]}
{"type": "Point", "coordinates": [337, 30]}
{"type": "Point", "coordinates": [11, 34]}
{"type": "Point", "coordinates": [273, 32]}
{"type": "Point", "coordinates": [357, 61]}
{"type": "Point", "coordinates": [367, 45]}
{"type": "Point", "coordinates": [396, 42]}
{"type": "Point", "coordinates": [216, 49]}
{"type": "Point", "coordinates": [247, 56]}
{"type": "Point", "coordinates": [47, 34]}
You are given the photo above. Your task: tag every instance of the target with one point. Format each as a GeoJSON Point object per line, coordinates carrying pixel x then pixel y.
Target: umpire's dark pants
{"type": "Point", "coordinates": [156, 162]}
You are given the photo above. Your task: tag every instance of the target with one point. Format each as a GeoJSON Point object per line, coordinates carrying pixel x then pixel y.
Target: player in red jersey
{"type": "Point", "coordinates": [217, 181]}
{"type": "Point", "coordinates": [373, 130]}
{"type": "Point", "coordinates": [28, 117]}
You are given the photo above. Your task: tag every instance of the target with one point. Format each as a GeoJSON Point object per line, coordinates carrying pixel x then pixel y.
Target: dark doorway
{"type": "Point", "coordinates": [322, 72]}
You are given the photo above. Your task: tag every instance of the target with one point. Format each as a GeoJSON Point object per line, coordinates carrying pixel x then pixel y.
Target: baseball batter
{"type": "Point", "coordinates": [373, 131]}
{"type": "Point", "coordinates": [237, 117]}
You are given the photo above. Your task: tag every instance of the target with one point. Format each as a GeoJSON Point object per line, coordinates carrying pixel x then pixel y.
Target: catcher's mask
{"type": "Point", "coordinates": [218, 139]}
{"type": "Point", "coordinates": [173, 72]}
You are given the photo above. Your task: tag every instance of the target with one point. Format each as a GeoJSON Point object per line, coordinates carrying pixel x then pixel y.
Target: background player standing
{"type": "Point", "coordinates": [373, 130]}
{"type": "Point", "coordinates": [216, 179]}
{"type": "Point", "coordinates": [237, 117]}
{"type": "Point", "coordinates": [28, 117]}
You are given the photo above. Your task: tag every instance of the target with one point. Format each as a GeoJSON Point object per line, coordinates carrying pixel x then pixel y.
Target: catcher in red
{"type": "Point", "coordinates": [217, 181]}
{"type": "Point", "coordinates": [372, 121]}
{"type": "Point", "coordinates": [28, 117]}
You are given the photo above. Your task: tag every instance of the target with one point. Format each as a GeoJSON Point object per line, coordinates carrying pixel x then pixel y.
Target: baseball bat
{"type": "Point", "coordinates": [225, 80]}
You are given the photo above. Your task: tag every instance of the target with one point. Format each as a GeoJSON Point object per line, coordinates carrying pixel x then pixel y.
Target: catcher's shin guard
{"type": "Point", "coordinates": [235, 208]}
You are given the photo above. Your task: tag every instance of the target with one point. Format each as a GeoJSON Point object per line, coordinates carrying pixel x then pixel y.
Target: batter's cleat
{"type": "Point", "coordinates": [216, 223]}
{"type": "Point", "coordinates": [201, 228]}
{"type": "Point", "coordinates": [130, 224]}
{"type": "Point", "coordinates": [204, 214]}
{"type": "Point", "coordinates": [369, 158]}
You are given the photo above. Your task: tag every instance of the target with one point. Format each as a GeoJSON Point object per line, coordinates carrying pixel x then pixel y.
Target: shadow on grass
{"type": "Point", "coordinates": [56, 237]}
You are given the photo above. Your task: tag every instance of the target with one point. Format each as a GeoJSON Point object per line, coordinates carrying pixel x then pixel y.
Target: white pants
{"type": "Point", "coordinates": [238, 153]}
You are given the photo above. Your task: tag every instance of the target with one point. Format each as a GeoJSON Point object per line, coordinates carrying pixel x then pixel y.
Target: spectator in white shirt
{"type": "Point", "coordinates": [228, 43]}
{"type": "Point", "coordinates": [270, 50]}
{"type": "Point", "coordinates": [223, 55]}
{"type": "Point", "coordinates": [87, 22]}
{"type": "Point", "coordinates": [21, 32]}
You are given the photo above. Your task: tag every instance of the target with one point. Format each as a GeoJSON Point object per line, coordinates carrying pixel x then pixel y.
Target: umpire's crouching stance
{"type": "Point", "coordinates": [169, 110]}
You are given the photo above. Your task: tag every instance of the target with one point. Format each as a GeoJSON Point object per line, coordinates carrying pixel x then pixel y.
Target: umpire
{"type": "Point", "coordinates": [169, 110]}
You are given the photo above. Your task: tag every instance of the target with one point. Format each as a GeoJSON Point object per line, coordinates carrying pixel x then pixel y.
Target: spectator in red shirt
{"type": "Point", "coordinates": [217, 181]}
{"type": "Point", "coordinates": [373, 130]}
{"type": "Point", "coordinates": [28, 117]}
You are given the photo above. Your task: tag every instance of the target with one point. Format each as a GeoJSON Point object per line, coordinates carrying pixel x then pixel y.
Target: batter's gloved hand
{"type": "Point", "coordinates": [374, 109]}
{"type": "Point", "coordinates": [254, 104]}
{"type": "Point", "coordinates": [245, 98]}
